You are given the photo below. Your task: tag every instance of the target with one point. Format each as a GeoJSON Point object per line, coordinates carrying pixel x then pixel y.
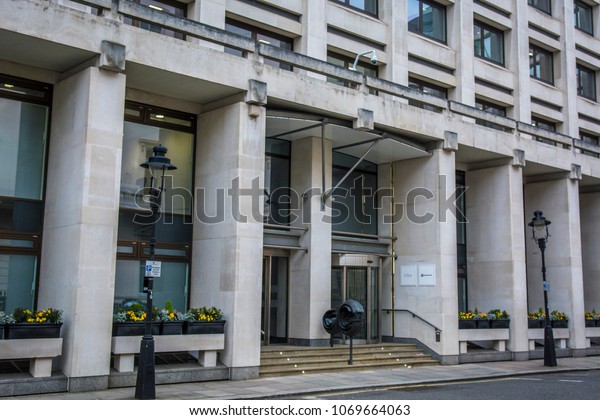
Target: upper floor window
{"type": "Point", "coordinates": [541, 65]}
{"type": "Point", "coordinates": [259, 35]}
{"type": "Point", "coordinates": [427, 18]}
{"type": "Point", "coordinates": [347, 62]}
{"type": "Point", "coordinates": [586, 82]}
{"type": "Point", "coordinates": [583, 17]}
{"type": "Point", "coordinates": [544, 125]}
{"type": "Point", "coordinates": [492, 109]}
{"type": "Point", "coordinates": [428, 88]}
{"type": "Point", "coordinates": [589, 138]}
{"type": "Point", "coordinates": [367, 6]}
{"type": "Point", "coordinates": [543, 5]}
{"type": "Point", "coordinates": [168, 6]}
{"type": "Point", "coordinates": [489, 43]}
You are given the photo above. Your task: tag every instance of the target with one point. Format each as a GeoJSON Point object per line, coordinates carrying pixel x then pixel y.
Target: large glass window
{"type": "Point", "coordinates": [368, 6]}
{"type": "Point", "coordinates": [171, 7]}
{"type": "Point", "coordinates": [428, 88]}
{"type": "Point", "coordinates": [24, 119]}
{"type": "Point", "coordinates": [589, 138]}
{"type": "Point", "coordinates": [144, 128]}
{"type": "Point", "coordinates": [259, 35]}
{"type": "Point", "coordinates": [583, 17]}
{"type": "Point", "coordinates": [543, 5]}
{"type": "Point", "coordinates": [492, 109]}
{"type": "Point", "coordinates": [427, 18]}
{"type": "Point", "coordinates": [544, 125]}
{"type": "Point", "coordinates": [541, 64]}
{"type": "Point", "coordinates": [277, 182]}
{"type": "Point", "coordinates": [489, 43]}
{"type": "Point", "coordinates": [586, 82]}
{"type": "Point", "coordinates": [354, 201]}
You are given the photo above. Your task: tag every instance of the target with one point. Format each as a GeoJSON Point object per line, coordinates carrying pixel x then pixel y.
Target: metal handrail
{"type": "Point", "coordinates": [414, 316]}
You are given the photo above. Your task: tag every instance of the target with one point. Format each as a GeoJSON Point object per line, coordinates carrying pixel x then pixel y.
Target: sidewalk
{"type": "Point", "coordinates": [291, 387]}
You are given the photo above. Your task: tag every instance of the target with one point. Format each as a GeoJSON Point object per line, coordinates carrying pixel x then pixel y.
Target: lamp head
{"type": "Point", "coordinates": [539, 226]}
{"type": "Point", "coordinates": [158, 161]}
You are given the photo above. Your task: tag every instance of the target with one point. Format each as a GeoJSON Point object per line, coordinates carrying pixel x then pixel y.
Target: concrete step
{"type": "Point", "coordinates": [289, 360]}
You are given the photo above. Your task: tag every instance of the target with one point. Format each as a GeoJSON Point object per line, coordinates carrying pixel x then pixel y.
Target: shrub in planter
{"type": "Point", "coordinates": [25, 323]}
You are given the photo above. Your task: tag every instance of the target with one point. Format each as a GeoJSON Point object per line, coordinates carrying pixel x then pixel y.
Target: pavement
{"type": "Point", "coordinates": [295, 387]}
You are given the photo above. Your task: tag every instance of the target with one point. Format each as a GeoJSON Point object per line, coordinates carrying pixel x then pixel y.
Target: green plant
{"type": "Point", "coordinates": [40, 316]}
{"type": "Point", "coordinates": [497, 314]}
{"type": "Point", "coordinates": [205, 314]}
{"type": "Point", "coordinates": [558, 316]}
{"type": "Point", "coordinates": [539, 314]}
{"type": "Point", "coordinates": [590, 316]}
{"type": "Point", "coordinates": [169, 313]}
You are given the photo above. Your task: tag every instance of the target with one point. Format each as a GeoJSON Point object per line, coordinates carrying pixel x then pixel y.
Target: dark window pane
{"type": "Point", "coordinates": [583, 17]}
{"type": "Point", "coordinates": [427, 18]}
{"type": "Point", "coordinates": [21, 216]}
{"type": "Point", "coordinates": [586, 82]}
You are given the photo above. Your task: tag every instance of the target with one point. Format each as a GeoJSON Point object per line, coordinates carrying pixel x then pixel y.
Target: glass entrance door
{"type": "Point", "coordinates": [360, 284]}
{"type": "Point", "coordinates": [274, 318]}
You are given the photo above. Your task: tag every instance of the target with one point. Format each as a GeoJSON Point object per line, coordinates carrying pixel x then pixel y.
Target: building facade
{"type": "Point", "coordinates": [390, 152]}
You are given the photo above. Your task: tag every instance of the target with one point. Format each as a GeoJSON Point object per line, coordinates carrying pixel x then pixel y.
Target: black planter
{"type": "Point", "coordinates": [560, 324]}
{"type": "Point", "coordinates": [122, 329]}
{"type": "Point", "coordinates": [536, 323]}
{"type": "Point", "coordinates": [1, 331]}
{"type": "Point", "coordinates": [467, 324]}
{"type": "Point", "coordinates": [590, 323]}
{"type": "Point", "coordinates": [483, 324]}
{"type": "Point", "coordinates": [204, 327]}
{"type": "Point", "coordinates": [171, 328]}
{"type": "Point", "coordinates": [22, 330]}
{"type": "Point", "coordinates": [499, 323]}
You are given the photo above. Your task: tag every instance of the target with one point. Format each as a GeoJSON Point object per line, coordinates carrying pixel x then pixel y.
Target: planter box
{"type": "Point", "coordinates": [483, 323]}
{"type": "Point", "coordinates": [122, 329]}
{"type": "Point", "coordinates": [590, 323]}
{"type": "Point", "coordinates": [560, 324]}
{"type": "Point", "coordinates": [204, 327]}
{"type": "Point", "coordinates": [499, 323]}
{"type": "Point", "coordinates": [171, 328]}
{"type": "Point", "coordinates": [467, 324]}
{"type": "Point", "coordinates": [23, 330]}
{"type": "Point", "coordinates": [536, 323]}
{"type": "Point", "coordinates": [1, 331]}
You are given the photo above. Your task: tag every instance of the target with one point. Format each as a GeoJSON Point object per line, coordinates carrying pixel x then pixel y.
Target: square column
{"type": "Point", "coordinates": [559, 200]}
{"type": "Point", "coordinates": [590, 249]}
{"type": "Point", "coordinates": [77, 272]}
{"type": "Point", "coordinates": [310, 272]}
{"type": "Point", "coordinates": [228, 232]}
{"type": "Point", "coordinates": [427, 243]}
{"type": "Point", "coordinates": [496, 248]}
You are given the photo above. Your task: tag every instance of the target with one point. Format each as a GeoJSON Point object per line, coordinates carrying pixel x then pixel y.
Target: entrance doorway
{"type": "Point", "coordinates": [274, 314]}
{"type": "Point", "coordinates": [361, 283]}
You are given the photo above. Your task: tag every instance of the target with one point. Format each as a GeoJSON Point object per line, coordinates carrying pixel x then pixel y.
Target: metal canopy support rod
{"type": "Point", "coordinates": [323, 161]}
{"type": "Point", "coordinates": [328, 194]}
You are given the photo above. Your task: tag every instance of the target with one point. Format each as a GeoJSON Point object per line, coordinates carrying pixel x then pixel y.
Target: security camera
{"type": "Point", "coordinates": [374, 59]}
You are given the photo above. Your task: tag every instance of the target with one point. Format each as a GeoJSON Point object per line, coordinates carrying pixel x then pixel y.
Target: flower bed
{"type": "Point", "coordinates": [494, 318]}
{"type": "Point", "coordinates": [25, 323]}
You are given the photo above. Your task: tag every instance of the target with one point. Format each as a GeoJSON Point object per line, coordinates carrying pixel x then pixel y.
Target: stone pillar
{"type": "Point", "coordinates": [228, 233]}
{"type": "Point", "coordinates": [427, 240]}
{"type": "Point", "coordinates": [460, 38]}
{"type": "Point", "coordinates": [395, 15]}
{"type": "Point", "coordinates": [517, 60]}
{"type": "Point", "coordinates": [77, 271]}
{"type": "Point", "coordinates": [209, 12]}
{"type": "Point", "coordinates": [559, 200]}
{"type": "Point", "coordinates": [590, 247]}
{"type": "Point", "coordinates": [496, 248]}
{"type": "Point", "coordinates": [310, 272]}
{"type": "Point", "coordinates": [566, 77]}
{"type": "Point", "coordinates": [313, 41]}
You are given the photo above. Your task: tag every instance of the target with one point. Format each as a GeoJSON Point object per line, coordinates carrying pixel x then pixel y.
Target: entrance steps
{"type": "Point", "coordinates": [292, 360]}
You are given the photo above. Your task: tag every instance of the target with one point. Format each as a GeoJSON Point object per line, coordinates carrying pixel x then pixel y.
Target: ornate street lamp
{"type": "Point", "coordinates": [539, 227]}
{"type": "Point", "coordinates": [157, 164]}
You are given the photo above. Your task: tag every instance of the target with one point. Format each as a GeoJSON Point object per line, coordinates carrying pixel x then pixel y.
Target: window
{"type": "Point", "coordinates": [586, 82]}
{"type": "Point", "coordinates": [368, 6]}
{"type": "Point", "coordinates": [589, 138]}
{"type": "Point", "coordinates": [347, 62]}
{"type": "Point", "coordinates": [428, 88]}
{"type": "Point", "coordinates": [583, 17]}
{"type": "Point", "coordinates": [144, 128]}
{"type": "Point", "coordinates": [168, 6]}
{"type": "Point", "coordinates": [427, 18]}
{"type": "Point", "coordinates": [544, 125]}
{"type": "Point", "coordinates": [277, 182]}
{"type": "Point", "coordinates": [353, 203]}
{"type": "Point", "coordinates": [492, 109]}
{"type": "Point", "coordinates": [541, 65]}
{"type": "Point", "coordinates": [24, 123]}
{"type": "Point", "coordinates": [543, 5]}
{"type": "Point", "coordinates": [489, 43]}
{"type": "Point", "coordinates": [259, 35]}
{"type": "Point", "coordinates": [461, 241]}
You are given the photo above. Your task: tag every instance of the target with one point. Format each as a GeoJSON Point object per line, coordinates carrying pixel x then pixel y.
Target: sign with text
{"type": "Point", "coordinates": [152, 269]}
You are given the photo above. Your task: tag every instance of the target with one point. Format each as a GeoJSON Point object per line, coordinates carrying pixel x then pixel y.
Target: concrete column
{"type": "Point", "coordinates": [427, 239]}
{"type": "Point", "coordinates": [496, 248]}
{"type": "Point", "coordinates": [77, 272]}
{"type": "Point", "coordinates": [228, 234]}
{"type": "Point", "coordinates": [590, 246]}
{"type": "Point", "coordinates": [313, 41]}
{"type": "Point", "coordinates": [517, 60]}
{"type": "Point", "coordinates": [460, 38]}
{"type": "Point", "coordinates": [310, 272]}
{"type": "Point", "coordinates": [566, 77]}
{"type": "Point", "coordinates": [209, 12]}
{"type": "Point", "coordinates": [559, 200]}
{"type": "Point", "coordinates": [394, 14]}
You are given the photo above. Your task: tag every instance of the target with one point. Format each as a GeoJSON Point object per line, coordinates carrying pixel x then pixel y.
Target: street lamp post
{"type": "Point", "coordinates": [539, 227]}
{"type": "Point", "coordinates": [157, 164]}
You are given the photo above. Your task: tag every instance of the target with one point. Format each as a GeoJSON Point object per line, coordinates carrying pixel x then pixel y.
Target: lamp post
{"type": "Point", "coordinates": [157, 164]}
{"type": "Point", "coordinates": [539, 227]}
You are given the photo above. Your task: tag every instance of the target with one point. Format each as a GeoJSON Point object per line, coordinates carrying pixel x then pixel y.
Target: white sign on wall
{"type": "Point", "coordinates": [426, 275]}
{"type": "Point", "coordinates": [408, 275]}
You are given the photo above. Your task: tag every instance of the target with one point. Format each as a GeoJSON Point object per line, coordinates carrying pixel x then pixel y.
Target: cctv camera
{"type": "Point", "coordinates": [374, 59]}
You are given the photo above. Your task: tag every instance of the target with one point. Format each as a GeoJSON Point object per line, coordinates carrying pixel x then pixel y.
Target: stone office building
{"type": "Point", "coordinates": [391, 152]}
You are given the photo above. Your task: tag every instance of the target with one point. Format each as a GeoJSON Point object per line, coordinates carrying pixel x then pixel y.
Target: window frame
{"type": "Point", "coordinates": [163, 31]}
{"type": "Point", "coordinates": [580, 91]}
{"type": "Point", "coordinates": [346, 3]}
{"type": "Point", "coordinates": [590, 139]}
{"type": "Point", "coordinates": [494, 31]}
{"type": "Point", "coordinates": [577, 22]}
{"type": "Point", "coordinates": [536, 5]}
{"type": "Point", "coordinates": [535, 50]}
{"type": "Point", "coordinates": [433, 5]}
{"type": "Point", "coordinates": [487, 106]}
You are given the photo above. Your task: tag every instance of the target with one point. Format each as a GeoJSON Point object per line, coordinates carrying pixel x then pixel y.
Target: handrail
{"type": "Point", "coordinates": [437, 330]}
